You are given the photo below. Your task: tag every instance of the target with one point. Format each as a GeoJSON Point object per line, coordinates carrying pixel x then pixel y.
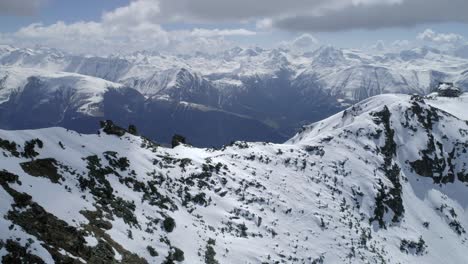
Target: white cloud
{"type": "Point", "coordinates": [93, 37]}
{"type": "Point", "coordinates": [200, 32]}
{"type": "Point", "coordinates": [136, 13]}
{"type": "Point", "coordinates": [264, 24]}
{"type": "Point", "coordinates": [125, 29]}
{"type": "Point", "coordinates": [401, 43]}
{"type": "Point", "coordinates": [304, 42]}
{"type": "Point", "coordinates": [441, 38]}
{"type": "Point", "coordinates": [141, 24]}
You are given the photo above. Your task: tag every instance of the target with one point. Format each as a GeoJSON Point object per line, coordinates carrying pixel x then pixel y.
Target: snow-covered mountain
{"type": "Point", "coordinates": [153, 72]}
{"type": "Point", "coordinates": [33, 98]}
{"type": "Point", "coordinates": [80, 92]}
{"type": "Point", "coordinates": [276, 90]}
{"type": "Point", "coordinates": [382, 182]}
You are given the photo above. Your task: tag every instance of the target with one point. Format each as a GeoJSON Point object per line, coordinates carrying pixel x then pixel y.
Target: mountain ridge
{"type": "Point", "coordinates": [381, 182]}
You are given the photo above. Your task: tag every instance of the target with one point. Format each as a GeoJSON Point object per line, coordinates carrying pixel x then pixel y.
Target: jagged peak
{"type": "Point", "coordinates": [328, 56]}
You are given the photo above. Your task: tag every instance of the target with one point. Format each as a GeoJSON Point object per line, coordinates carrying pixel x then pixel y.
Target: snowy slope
{"type": "Point", "coordinates": [85, 92]}
{"type": "Point", "coordinates": [382, 182]}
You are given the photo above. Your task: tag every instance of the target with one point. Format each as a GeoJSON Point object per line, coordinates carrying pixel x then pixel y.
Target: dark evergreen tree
{"type": "Point", "coordinates": [169, 224]}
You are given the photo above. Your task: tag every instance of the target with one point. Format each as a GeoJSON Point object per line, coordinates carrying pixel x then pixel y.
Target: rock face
{"type": "Point", "coordinates": [381, 182]}
{"type": "Point", "coordinates": [448, 90]}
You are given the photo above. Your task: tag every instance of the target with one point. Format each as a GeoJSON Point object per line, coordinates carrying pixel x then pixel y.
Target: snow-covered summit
{"type": "Point", "coordinates": [238, 63]}
{"type": "Point", "coordinates": [359, 113]}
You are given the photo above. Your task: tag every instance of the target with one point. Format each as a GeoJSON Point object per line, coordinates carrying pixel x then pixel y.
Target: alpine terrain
{"type": "Point", "coordinates": [383, 181]}
{"type": "Point", "coordinates": [251, 94]}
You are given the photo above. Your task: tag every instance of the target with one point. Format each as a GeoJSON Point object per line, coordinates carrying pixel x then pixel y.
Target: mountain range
{"type": "Point", "coordinates": [249, 94]}
{"type": "Point", "coordinates": [383, 181]}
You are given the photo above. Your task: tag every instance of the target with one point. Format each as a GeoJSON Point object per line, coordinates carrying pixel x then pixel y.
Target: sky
{"type": "Point", "coordinates": [183, 26]}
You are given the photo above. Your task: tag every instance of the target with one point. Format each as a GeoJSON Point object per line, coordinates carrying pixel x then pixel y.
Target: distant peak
{"type": "Point", "coordinates": [328, 56]}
